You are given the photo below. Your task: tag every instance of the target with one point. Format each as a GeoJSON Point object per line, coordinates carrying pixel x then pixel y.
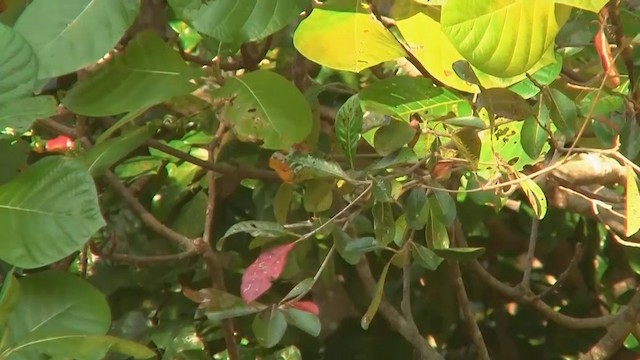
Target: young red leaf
{"type": "Point", "coordinates": [60, 144]}
{"type": "Point", "coordinates": [257, 278]}
{"type": "Point", "coordinates": [308, 306]}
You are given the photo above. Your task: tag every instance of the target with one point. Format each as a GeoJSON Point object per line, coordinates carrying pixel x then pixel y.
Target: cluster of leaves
{"type": "Point", "coordinates": [161, 157]}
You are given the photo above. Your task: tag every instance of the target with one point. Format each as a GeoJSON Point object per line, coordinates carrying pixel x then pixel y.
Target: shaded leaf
{"type": "Point", "coordinates": [348, 127]}
{"type": "Point", "coordinates": [87, 347]}
{"type": "Point", "coordinates": [306, 321]}
{"type": "Point", "coordinates": [269, 327]}
{"type": "Point", "coordinates": [460, 254]}
{"type": "Point", "coordinates": [19, 114]}
{"type": "Point", "coordinates": [120, 86]}
{"type": "Point", "coordinates": [266, 107]}
{"type": "Point", "coordinates": [9, 294]}
{"type": "Point", "coordinates": [301, 288]}
{"type": "Point", "coordinates": [377, 298]}
{"type": "Point", "coordinates": [48, 212]}
{"type": "Point", "coordinates": [306, 306]}
{"type": "Point", "coordinates": [255, 228]}
{"type": "Point", "coordinates": [342, 239]}
{"type": "Point", "coordinates": [403, 156]}
{"type": "Point", "coordinates": [219, 305]}
{"type": "Point", "coordinates": [435, 232]}
{"type": "Point", "coordinates": [18, 66]}
{"type": "Point", "coordinates": [426, 257]}
{"type": "Point", "coordinates": [562, 110]}
{"type": "Point", "coordinates": [312, 167]}
{"type": "Point", "coordinates": [392, 137]}
{"type": "Point", "coordinates": [533, 135]}
{"type": "Point", "coordinates": [362, 245]}
{"type": "Point", "coordinates": [504, 103]}
{"type": "Point", "coordinates": [282, 202]}
{"type": "Point", "coordinates": [344, 35]}
{"type": "Point", "coordinates": [257, 278]}
{"type": "Point", "coordinates": [443, 206]}
{"type": "Point", "coordinates": [416, 208]}
{"type": "Point", "coordinates": [467, 121]}
{"type": "Point", "coordinates": [318, 195]}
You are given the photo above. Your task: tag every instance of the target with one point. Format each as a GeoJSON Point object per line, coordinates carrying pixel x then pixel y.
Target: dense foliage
{"type": "Point", "coordinates": [342, 179]}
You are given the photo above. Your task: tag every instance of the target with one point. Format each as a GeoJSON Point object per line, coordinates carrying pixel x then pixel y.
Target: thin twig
{"type": "Point", "coordinates": [141, 260]}
{"type": "Point", "coordinates": [467, 311]}
{"type": "Point", "coordinates": [577, 256]}
{"type": "Point", "coordinates": [533, 238]}
{"type": "Point", "coordinates": [210, 257]}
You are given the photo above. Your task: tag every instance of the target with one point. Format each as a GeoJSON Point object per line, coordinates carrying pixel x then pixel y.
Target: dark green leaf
{"type": "Point", "coordinates": [301, 288]}
{"type": "Point", "coordinates": [362, 245]}
{"type": "Point", "coordinates": [18, 66]}
{"type": "Point", "coordinates": [19, 114]}
{"type": "Point", "coordinates": [404, 156]}
{"type": "Point", "coordinates": [383, 222]}
{"type": "Point", "coordinates": [545, 76]}
{"type": "Point", "coordinates": [87, 347]}
{"type": "Point", "coordinates": [562, 110]}
{"type": "Point", "coordinates": [416, 208]}
{"type": "Point", "coordinates": [443, 206]}
{"type": "Point", "coordinates": [533, 135]}
{"type": "Point", "coordinates": [121, 85]}
{"type": "Point", "coordinates": [377, 298]}
{"type": "Point", "coordinates": [53, 202]}
{"type": "Point", "coordinates": [304, 321]}
{"type": "Point", "coordinates": [255, 228]}
{"type": "Point", "coordinates": [13, 159]}
{"type": "Point", "coordinates": [342, 239]}
{"type": "Point", "coordinates": [381, 190]}
{"type": "Point", "coordinates": [269, 327]}
{"type": "Point", "coordinates": [318, 195]}
{"type": "Point", "coordinates": [392, 137]}
{"type": "Point", "coordinates": [348, 126]}
{"type": "Point", "coordinates": [436, 233]}
{"type": "Point", "coordinates": [282, 202]}
{"type": "Point", "coordinates": [460, 254]}
{"type": "Point", "coordinates": [426, 257]}
{"type": "Point", "coordinates": [463, 69]}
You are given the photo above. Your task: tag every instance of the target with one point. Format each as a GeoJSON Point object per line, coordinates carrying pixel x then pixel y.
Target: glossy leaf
{"type": "Point", "coordinates": [48, 212]}
{"type": "Point", "coordinates": [66, 305]}
{"type": "Point", "coordinates": [377, 298]}
{"type": "Point", "coordinates": [533, 135]}
{"type": "Point", "coordinates": [303, 320]}
{"type": "Point", "coordinates": [562, 110]}
{"type": "Point", "coordinates": [392, 137]}
{"type": "Point", "coordinates": [255, 228]}
{"type": "Point", "coordinates": [257, 278]}
{"type": "Point", "coordinates": [401, 96]}
{"type": "Point", "coordinates": [19, 114]}
{"type": "Point", "coordinates": [269, 327]}
{"type": "Point", "coordinates": [460, 254]}
{"type": "Point", "coordinates": [348, 126]}
{"type": "Point", "coordinates": [344, 35]}
{"type": "Point", "coordinates": [426, 257]}
{"type": "Point", "coordinates": [266, 107]}
{"type": "Point", "coordinates": [18, 66]}
{"type": "Point", "coordinates": [466, 24]}
{"type": "Point", "coordinates": [106, 154]}
{"type": "Point", "coordinates": [69, 35]}
{"type": "Point", "coordinates": [536, 197]}
{"type": "Point", "coordinates": [632, 203]}
{"type": "Point", "coordinates": [122, 85]}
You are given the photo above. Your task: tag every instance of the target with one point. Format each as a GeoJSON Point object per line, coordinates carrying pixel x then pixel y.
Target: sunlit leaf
{"type": "Point", "coordinates": [536, 196]}
{"type": "Point", "coordinates": [344, 35]}
{"type": "Point", "coordinates": [632, 203]}
{"type": "Point", "coordinates": [533, 135]}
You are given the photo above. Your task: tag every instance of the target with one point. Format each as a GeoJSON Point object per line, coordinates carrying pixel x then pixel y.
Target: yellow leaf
{"type": "Point", "coordinates": [344, 35]}
{"type": "Point", "coordinates": [632, 204]}
{"type": "Point", "coordinates": [536, 196]}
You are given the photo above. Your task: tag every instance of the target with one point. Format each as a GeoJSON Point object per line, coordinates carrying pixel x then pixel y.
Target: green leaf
{"type": "Point", "coordinates": [9, 294]}
{"type": "Point", "coordinates": [265, 106]}
{"type": "Point", "coordinates": [477, 31]}
{"type": "Point", "coordinates": [472, 122]}
{"type": "Point", "coordinates": [416, 208]}
{"type": "Point", "coordinates": [544, 76]}
{"type": "Point", "coordinates": [19, 114]}
{"type": "Point", "coordinates": [18, 66]}
{"type": "Point", "coordinates": [425, 257]}
{"type": "Point", "coordinates": [400, 231]}
{"type": "Point", "coordinates": [342, 240]}
{"type": "Point", "coordinates": [14, 158]}
{"type": "Point", "coordinates": [392, 137]}
{"type": "Point", "coordinates": [66, 305]}
{"type": "Point", "coordinates": [484, 197]}
{"type": "Point", "coordinates": [460, 254]}
{"type": "Point", "coordinates": [404, 156]}
{"type": "Point", "coordinates": [301, 288]}
{"type": "Point", "coordinates": [282, 202]}
{"type": "Point", "coordinates": [562, 110]}
{"type": "Point", "coordinates": [362, 245]}
{"type": "Point", "coordinates": [318, 195]}
{"type": "Point", "coordinates": [536, 196]}
{"type": "Point", "coordinates": [69, 35]}
{"type": "Point", "coordinates": [105, 154]}
{"type": "Point", "coordinates": [533, 135]}
{"type": "Point", "coordinates": [304, 321]}
{"type": "Point", "coordinates": [269, 327]}
{"type": "Point", "coordinates": [506, 144]}
{"type": "Point", "coordinates": [383, 222]}
{"type": "Point", "coordinates": [435, 232]}
{"type": "Point", "coordinates": [443, 206]}
{"type": "Point", "coordinates": [401, 96]}
{"type": "Point", "coordinates": [255, 228]}
{"type": "Point", "coordinates": [191, 217]}
{"type": "Point", "coordinates": [344, 35]}
{"type": "Point", "coordinates": [149, 72]}
{"type": "Point", "coordinates": [377, 298]}
{"type": "Point", "coordinates": [348, 126]}
{"type": "Point", "coordinates": [87, 347]}
{"type": "Point", "coordinates": [48, 212]}
{"type": "Point", "coordinates": [238, 21]}
{"type": "Point", "coordinates": [504, 103]}
{"type": "Point", "coordinates": [313, 167]}
{"type": "Point", "coordinates": [138, 166]}
{"type": "Point", "coordinates": [219, 305]}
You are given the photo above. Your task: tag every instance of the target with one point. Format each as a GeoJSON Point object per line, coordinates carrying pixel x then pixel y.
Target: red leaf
{"type": "Point", "coordinates": [60, 144]}
{"type": "Point", "coordinates": [257, 278]}
{"type": "Point", "coordinates": [308, 306]}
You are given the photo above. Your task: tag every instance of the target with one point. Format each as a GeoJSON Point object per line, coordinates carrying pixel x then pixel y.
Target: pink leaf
{"type": "Point", "coordinates": [308, 306]}
{"type": "Point", "coordinates": [257, 278]}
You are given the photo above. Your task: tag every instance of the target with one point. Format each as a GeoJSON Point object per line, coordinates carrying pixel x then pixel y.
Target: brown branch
{"type": "Point", "coordinates": [577, 256]}
{"type": "Point", "coordinates": [142, 260]}
{"type": "Point", "coordinates": [210, 257]}
{"type": "Point", "coordinates": [225, 169]}
{"type": "Point", "coordinates": [467, 311]}
{"type": "Point", "coordinates": [393, 317]}
{"type": "Point", "coordinates": [611, 342]}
